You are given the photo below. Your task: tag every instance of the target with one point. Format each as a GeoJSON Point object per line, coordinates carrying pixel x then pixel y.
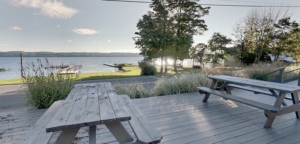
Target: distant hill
{"type": "Point", "coordinates": [67, 54]}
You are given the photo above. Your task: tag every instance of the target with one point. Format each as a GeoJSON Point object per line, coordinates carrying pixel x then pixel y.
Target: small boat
{"type": "Point", "coordinates": [4, 69]}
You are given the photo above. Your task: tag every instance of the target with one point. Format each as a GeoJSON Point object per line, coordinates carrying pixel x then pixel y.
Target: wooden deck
{"type": "Point", "coordinates": [183, 118]}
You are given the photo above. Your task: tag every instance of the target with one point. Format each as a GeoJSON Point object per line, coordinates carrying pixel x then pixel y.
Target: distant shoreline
{"type": "Point", "coordinates": [67, 54]}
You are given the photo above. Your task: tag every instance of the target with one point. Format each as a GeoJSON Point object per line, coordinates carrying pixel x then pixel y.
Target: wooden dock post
{"type": "Point", "coordinates": [21, 59]}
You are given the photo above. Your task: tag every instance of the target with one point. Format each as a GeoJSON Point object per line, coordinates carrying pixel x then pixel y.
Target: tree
{"type": "Point", "coordinates": [153, 34]}
{"type": "Point", "coordinates": [216, 46]}
{"type": "Point", "coordinates": [257, 31]}
{"type": "Point", "coordinates": [283, 37]}
{"type": "Point", "coordinates": [198, 53]}
{"type": "Point", "coordinates": [187, 18]}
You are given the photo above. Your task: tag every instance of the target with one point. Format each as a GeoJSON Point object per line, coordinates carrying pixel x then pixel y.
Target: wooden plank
{"type": "Point", "coordinates": [76, 115]}
{"type": "Point", "coordinates": [262, 132]}
{"type": "Point", "coordinates": [67, 136]}
{"type": "Point", "coordinates": [92, 113]}
{"type": "Point", "coordinates": [38, 133]}
{"type": "Point", "coordinates": [250, 89]}
{"type": "Point", "coordinates": [59, 119]}
{"type": "Point", "coordinates": [146, 126]}
{"type": "Point", "coordinates": [106, 111]}
{"type": "Point", "coordinates": [137, 127]}
{"type": "Point", "coordinates": [257, 83]}
{"type": "Point", "coordinates": [73, 94]}
{"type": "Point", "coordinates": [119, 132]}
{"type": "Point", "coordinates": [117, 105]}
{"type": "Point", "coordinates": [241, 100]}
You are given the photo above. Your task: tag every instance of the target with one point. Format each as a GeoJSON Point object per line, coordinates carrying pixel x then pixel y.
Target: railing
{"type": "Point", "coordinates": [280, 77]}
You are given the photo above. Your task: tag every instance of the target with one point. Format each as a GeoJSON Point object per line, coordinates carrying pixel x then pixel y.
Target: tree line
{"type": "Point", "coordinates": [167, 32]}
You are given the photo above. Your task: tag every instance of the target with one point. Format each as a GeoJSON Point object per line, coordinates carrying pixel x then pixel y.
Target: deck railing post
{"type": "Point", "coordinates": [280, 76]}
{"type": "Point", "coordinates": [299, 79]}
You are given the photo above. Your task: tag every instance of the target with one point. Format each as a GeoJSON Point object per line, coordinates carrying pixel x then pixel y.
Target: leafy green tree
{"type": "Point", "coordinates": [199, 53]}
{"type": "Point", "coordinates": [187, 19]}
{"type": "Point", "coordinates": [283, 38]}
{"type": "Point", "coordinates": [216, 45]}
{"type": "Point", "coordinates": [153, 34]}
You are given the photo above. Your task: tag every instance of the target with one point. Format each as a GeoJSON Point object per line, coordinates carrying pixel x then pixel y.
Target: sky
{"type": "Point", "coordinates": [100, 26]}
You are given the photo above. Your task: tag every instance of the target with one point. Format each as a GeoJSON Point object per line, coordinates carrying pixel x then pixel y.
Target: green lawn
{"type": "Point", "coordinates": [133, 71]}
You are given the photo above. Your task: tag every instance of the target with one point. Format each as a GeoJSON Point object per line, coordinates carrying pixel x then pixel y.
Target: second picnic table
{"type": "Point", "coordinates": [278, 90]}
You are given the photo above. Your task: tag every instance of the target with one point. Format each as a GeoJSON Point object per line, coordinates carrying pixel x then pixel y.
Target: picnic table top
{"type": "Point", "coordinates": [88, 105]}
{"type": "Point", "coordinates": [257, 83]}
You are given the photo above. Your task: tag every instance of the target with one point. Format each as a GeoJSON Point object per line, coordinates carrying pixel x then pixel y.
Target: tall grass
{"type": "Point", "coordinates": [183, 83]}
{"type": "Point", "coordinates": [45, 86]}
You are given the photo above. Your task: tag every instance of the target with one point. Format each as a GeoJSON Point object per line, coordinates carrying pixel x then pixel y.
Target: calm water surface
{"type": "Point", "coordinates": [89, 64]}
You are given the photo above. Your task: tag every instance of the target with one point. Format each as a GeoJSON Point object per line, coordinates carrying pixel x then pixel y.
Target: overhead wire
{"type": "Point", "coordinates": [206, 4]}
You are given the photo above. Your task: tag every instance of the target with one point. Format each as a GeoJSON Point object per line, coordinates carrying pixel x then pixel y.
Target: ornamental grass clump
{"type": "Point", "coordinates": [184, 83]}
{"type": "Point", "coordinates": [45, 86]}
{"type": "Point", "coordinates": [133, 90]}
{"type": "Point", "coordinates": [255, 71]}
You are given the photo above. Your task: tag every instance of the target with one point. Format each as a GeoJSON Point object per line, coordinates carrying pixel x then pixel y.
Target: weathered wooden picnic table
{"type": "Point", "coordinates": [89, 105]}
{"type": "Point", "coordinates": [278, 90]}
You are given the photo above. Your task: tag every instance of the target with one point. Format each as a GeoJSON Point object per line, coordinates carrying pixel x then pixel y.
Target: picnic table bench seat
{"type": "Point", "coordinates": [239, 99]}
{"type": "Point", "coordinates": [255, 90]}
{"type": "Point", "coordinates": [37, 134]}
{"type": "Point", "coordinates": [145, 132]}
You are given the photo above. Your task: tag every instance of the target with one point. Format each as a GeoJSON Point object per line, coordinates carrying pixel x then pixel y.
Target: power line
{"type": "Point", "coordinates": [220, 5]}
{"type": "Point", "coordinates": [243, 1]}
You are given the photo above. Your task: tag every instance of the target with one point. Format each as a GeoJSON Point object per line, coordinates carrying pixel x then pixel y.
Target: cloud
{"type": "Point", "coordinates": [2, 44]}
{"type": "Point", "coordinates": [109, 41]}
{"type": "Point", "coordinates": [51, 8]}
{"type": "Point", "coordinates": [58, 26]}
{"type": "Point", "coordinates": [93, 41]}
{"type": "Point", "coordinates": [85, 31]}
{"type": "Point", "coordinates": [69, 40]}
{"type": "Point", "coordinates": [15, 28]}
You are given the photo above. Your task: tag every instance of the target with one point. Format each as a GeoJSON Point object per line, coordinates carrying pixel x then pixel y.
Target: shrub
{"type": "Point", "coordinates": [148, 70]}
{"type": "Point", "coordinates": [44, 86]}
{"type": "Point", "coordinates": [143, 64]}
{"type": "Point", "coordinates": [133, 90]}
{"type": "Point", "coordinates": [184, 83]}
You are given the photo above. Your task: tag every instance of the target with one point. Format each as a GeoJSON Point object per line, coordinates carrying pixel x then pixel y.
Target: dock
{"type": "Point", "coordinates": [57, 66]}
{"type": "Point", "coordinates": [4, 69]}
{"type": "Point", "coordinates": [72, 69]}
{"type": "Point", "coordinates": [110, 65]}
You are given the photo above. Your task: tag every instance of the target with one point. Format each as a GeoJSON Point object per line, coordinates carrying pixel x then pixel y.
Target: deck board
{"type": "Point", "coordinates": [183, 118]}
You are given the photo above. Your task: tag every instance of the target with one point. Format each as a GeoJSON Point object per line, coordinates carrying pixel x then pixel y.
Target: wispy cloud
{"type": "Point", "coordinates": [85, 31]}
{"type": "Point", "coordinates": [51, 8]}
{"type": "Point", "coordinates": [69, 40]}
{"type": "Point", "coordinates": [15, 28]}
{"type": "Point", "coordinates": [2, 44]}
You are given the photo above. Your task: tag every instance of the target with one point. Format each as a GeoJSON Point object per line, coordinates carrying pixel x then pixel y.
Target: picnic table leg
{"type": "Point", "coordinates": [120, 133]}
{"type": "Point", "coordinates": [212, 86]}
{"type": "Point", "coordinates": [270, 116]}
{"type": "Point", "coordinates": [67, 136]}
{"type": "Point", "coordinates": [92, 134]}
{"type": "Point", "coordinates": [276, 96]}
{"type": "Point", "coordinates": [295, 101]}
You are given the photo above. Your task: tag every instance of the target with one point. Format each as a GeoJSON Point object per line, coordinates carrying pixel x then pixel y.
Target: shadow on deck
{"type": "Point", "coordinates": [183, 118]}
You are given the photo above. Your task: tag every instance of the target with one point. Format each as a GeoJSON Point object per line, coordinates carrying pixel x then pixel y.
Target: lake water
{"type": "Point", "coordinates": [89, 64]}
